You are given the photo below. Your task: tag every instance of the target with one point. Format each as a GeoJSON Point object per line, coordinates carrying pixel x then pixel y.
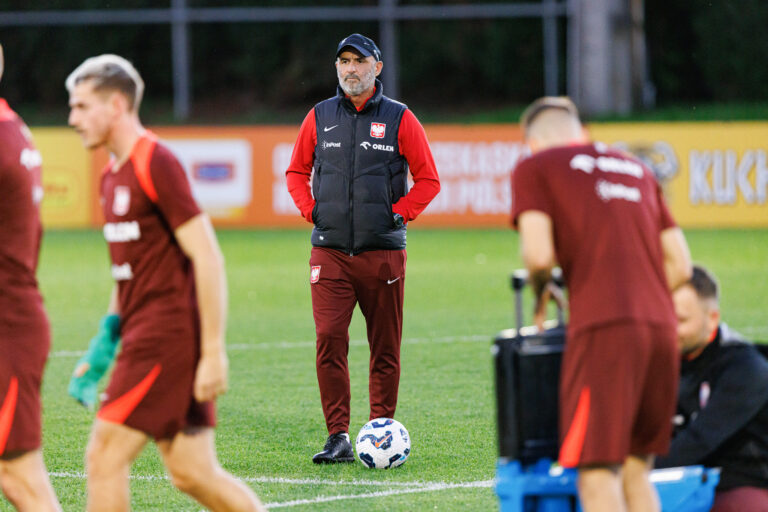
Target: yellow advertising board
{"type": "Point", "coordinates": [67, 189]}
{"type": "Point", "coordinates": [238, 173]}
{"type": "Point", "coordinates": [714, 174]}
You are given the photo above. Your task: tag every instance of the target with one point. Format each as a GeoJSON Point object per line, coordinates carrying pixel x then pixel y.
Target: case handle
{"type": "Point", "coordinates": [519, 280]}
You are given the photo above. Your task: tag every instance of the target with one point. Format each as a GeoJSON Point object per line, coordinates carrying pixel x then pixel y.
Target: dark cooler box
{"type": "Point", "coordinates": [527, 371]}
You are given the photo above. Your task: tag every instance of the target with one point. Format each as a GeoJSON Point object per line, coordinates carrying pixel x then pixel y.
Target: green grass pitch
{"type": "Point", "coordinates": [270, 422]}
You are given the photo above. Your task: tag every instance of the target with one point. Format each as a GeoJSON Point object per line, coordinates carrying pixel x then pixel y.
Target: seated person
{"type": "Point", "coordinates": [722, 410]}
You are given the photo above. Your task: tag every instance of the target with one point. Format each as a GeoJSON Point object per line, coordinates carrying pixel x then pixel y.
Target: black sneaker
{"type": "Point", "coordinates": [337, 449]}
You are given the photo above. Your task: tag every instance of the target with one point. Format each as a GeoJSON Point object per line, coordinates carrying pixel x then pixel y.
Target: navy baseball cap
{"type": "Point", "coordinates": [365, 46]}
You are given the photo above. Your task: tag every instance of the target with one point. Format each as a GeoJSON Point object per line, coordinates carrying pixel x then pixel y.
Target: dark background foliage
{"type": "Point", "coordinates": [711, 51]}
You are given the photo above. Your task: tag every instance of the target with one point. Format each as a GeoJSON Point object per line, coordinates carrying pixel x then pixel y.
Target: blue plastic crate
{"type": "Point", "coordinates": [542, 487]}
{"type": "Point", "coordinates": [686, 489]}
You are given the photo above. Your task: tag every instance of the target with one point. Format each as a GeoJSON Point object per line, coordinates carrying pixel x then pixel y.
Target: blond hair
{"type": "Point", "coordinates": [109, 72]}
{"type": "Point", "coordinates": [562, 103]}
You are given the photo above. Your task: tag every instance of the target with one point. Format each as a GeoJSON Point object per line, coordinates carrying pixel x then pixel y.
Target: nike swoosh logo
{"type": "Point", "coordinates": [380, 442]}
{"type": "Point", "coordinates": [390, 281]}
{"type": "Point", "coordinates": [329, 128]}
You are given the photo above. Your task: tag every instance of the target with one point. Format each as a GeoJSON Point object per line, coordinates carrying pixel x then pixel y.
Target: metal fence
{"type": "Point", "coordinates": [388, 13]}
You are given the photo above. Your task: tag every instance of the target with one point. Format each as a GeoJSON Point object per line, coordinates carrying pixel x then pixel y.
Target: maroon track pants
{"type": "Point", "coordinates": [374, 280]}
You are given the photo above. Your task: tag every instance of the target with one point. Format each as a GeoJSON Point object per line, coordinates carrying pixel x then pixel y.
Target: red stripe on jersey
{"type": "Point", "coordinates": [6, 114]}
{"type": "Point", "coordinates": [7, 411]}
{"type": "Point", "coordinates": [570, 452]}
{"type": "Point", "coordinates": [140, 156]}
{"type": "Point", "coordinates": [121, 408]}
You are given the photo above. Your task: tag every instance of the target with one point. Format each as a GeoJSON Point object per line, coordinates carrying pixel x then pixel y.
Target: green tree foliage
{"type": "Point", "coordinates": [713, 50]}
{"type": "Point", "coordinates": [475, 62]}
{"type": "Point", "coordinates": [238, 67]}
{"type": "Point", "coordinates": [698, 51]}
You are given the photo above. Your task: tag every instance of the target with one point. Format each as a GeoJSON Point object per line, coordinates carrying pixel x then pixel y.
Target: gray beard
{"type": "Point", "coordinates": [357, 88]}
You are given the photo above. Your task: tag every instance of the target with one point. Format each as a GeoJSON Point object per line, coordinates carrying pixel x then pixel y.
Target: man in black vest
{"type": "Point", "coordinates": [361, 146]}
{"type": "Point", "coordinates": [722, 409]}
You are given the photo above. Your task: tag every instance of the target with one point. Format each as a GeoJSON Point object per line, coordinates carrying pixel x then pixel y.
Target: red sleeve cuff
{"type": "Point", "coordinates": [308, 214]}
{"type": "Point", "coordinates": [299, 171]}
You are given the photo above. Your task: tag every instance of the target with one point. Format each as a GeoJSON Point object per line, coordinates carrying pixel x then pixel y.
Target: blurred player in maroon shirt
{"type": "Point", "coordinates": [600, 214]}
{"type": "Point", "coordinates": [24, 329]}
{"type": "Point", "coordinates": [171, 297]}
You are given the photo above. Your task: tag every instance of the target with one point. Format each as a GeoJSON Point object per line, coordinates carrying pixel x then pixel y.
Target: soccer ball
{"type": "Point", "coordinates": [383, 443]}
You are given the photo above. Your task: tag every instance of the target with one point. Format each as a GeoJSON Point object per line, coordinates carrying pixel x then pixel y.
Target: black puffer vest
{"type": "Point", "coordinates": [359, 174]}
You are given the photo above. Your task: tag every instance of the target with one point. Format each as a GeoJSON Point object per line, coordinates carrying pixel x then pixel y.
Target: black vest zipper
{"type": "Point", "coordinates": [351, 180]}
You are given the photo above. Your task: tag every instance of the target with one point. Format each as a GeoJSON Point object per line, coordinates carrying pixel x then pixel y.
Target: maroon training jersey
{"type": "Point", "coordinates": [144, 201]}
{"type": "Point", "coordinates": [607, 212]}
{"type": "Point", "coordinates": [22, 317]}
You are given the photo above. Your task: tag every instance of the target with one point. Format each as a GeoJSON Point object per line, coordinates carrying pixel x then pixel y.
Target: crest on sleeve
{"type": "Point", "coordinates": [314, 274]}
{"type": "Point", "coordinates": [378, 129]}
{"type": "Point", "coordinates": [121, 202]}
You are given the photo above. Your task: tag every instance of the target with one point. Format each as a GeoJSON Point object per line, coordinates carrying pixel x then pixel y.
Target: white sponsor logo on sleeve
{"type": "Point", "coordinates": [122, 272]}
{"type": "Point", "coordinates": [122, 231]}
{"type": "Point", "coordinates": [30, 158]}
{"type": "Point", "coordinates": [37, 194]}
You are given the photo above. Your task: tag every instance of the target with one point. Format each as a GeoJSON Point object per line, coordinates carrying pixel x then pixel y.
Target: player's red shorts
{"type": "Point", "coordinates": [22, 360]}
{"type": "Point", "coordinates": [618, 393]}
{"type": "Point", "coordinates": [151, 388]}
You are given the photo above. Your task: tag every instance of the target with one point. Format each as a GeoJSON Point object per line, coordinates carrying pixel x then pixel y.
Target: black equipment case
{"type": "Point", "coordinates": [527, 371]}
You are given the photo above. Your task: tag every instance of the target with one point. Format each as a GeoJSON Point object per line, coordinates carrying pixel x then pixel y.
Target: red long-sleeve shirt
{"type": "Point", "coordinates": [413, 146]}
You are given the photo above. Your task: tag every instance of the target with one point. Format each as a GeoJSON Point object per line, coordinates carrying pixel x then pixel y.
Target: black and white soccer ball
{"type": "Point", "coordinates": [383, 443]}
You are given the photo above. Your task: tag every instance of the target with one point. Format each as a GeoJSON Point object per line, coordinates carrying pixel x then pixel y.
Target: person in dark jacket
{"type": "Point", "coordinates": [359, 147]}
{"type": "Point", "coordinates": [722, 412]}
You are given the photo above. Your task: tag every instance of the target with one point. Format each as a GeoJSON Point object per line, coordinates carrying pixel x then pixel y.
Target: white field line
{"type": "Point", "coordinates": [378, 494]}
{"type": "Point", "coordinates": [749, 332]}
{"type": "Point", "coordinates": [304, 344]}
{"type": "Point", "coordinates": [317, 481]}
{"type": "Point", "coordinates": [404, 487]}
{"type": "Point", "coordinates": [287, 481]}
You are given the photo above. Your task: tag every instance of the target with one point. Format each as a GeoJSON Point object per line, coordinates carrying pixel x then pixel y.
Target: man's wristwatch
{"type": "Point", "coordinates": [399, 220]}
